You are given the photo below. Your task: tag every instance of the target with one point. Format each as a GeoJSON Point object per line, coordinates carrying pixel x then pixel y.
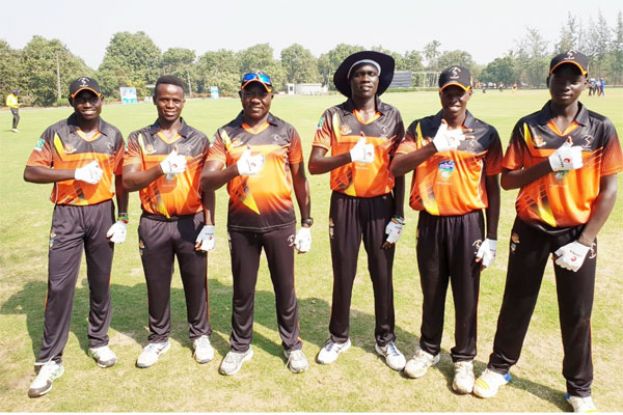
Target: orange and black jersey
{"type": "Point", "coordinates": [452, 182]}
{"type": "Point", "coordinates": [180, 194]}
{"type": "Point", "coordinates": [262, 202]}
{"type": "Point", "coordinates": [562, 199]}
{"type": "Point", "coordinates": [64, 146]}
{"type": "Point", "coordinates": [340, 128]}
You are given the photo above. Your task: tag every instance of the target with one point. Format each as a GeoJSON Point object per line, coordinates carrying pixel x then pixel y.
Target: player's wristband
{"type": "Point", "coordinates": [123, 217]}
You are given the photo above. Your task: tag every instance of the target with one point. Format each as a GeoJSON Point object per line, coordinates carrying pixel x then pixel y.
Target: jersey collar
{"type": "Point", "coordinates": [102, 126]}
{"type": "Point", "coordinates": [271, 119]}
{"type": "Point", "coordinates": [468, 122]}
{"type": "Point", "coordinates": [184, 130]}
{"type": "Point", "coordinates": [546, 114]}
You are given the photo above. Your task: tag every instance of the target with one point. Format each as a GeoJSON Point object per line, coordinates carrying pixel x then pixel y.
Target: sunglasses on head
{"type": "Point", "coordinates": [256, 76]}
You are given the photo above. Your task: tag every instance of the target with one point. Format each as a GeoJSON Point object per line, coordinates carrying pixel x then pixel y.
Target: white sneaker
{"type": "Point", "coordinates": [464, 378]}
{"type": "Point", "coordinates": [331, 350]}
{"type": "Point", "coordinates": [43, 382]}
{"type": "Point", "coordinates": [232, 363]}
{"type": "Point", "coordinates": [418, 365]}
{"type": "Point", "coordinates": [581, 404]}
{"type": "Point", "coordinates": [151, 353]}
{"type": "Point", "coordinates": [489, 383]}
{"type": "Point", "coordinates": [204, 352]}
{"type": "Point", "coordinates": [104, 356]}
{"type": "Point", "coordinates": [297, 361]}
{"type": "Point", "coordinates": [393, 357]}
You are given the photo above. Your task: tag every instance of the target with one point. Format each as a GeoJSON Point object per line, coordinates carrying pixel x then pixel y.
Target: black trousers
{"type": "Point", "coordinates": [351, 220]}
{"type": "Point", "coordinates": [446, 250]}
{"type": "Point", "coordinates": [246, 248]}
{"type": "Point", "coordinates": [159, 242]}
{"type": "Point", "coordinates": [530, 249]}
{"type": "Point", "coordinates": [15, 113]}
{"type": "Point", "coordinates": [75, 228]}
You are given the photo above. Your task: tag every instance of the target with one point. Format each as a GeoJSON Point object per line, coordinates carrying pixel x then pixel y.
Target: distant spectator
{"type": "Point", "coordinates": [13, 104]}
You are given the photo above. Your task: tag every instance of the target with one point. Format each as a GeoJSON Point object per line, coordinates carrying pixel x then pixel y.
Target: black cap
{"type": "Point", "coordinates": [384, 63]}
{"type": "Point", "coordinates": [572, 57]}
{"type": "Point", "coordinates": [455, 75]}
{"type": "Point", "coordinates": [83, 83]}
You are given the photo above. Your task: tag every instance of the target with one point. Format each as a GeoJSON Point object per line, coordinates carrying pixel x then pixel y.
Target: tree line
{"type": "Point", "coordinates": [43, 68]}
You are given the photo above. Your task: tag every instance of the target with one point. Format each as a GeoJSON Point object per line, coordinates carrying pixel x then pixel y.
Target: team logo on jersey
{"type": "Point", "coordinates": [276, 138]}
{"type": "Point", "coordinates": [345, 129]}
{"type": "Point", "coordinates": [588, 140]}
{"type": "Point", "coordinates": [446, 168]}
{"type": "Point", "coordinates": [40, 144]}
{"type": "Point", "coordinates": [320, 123]}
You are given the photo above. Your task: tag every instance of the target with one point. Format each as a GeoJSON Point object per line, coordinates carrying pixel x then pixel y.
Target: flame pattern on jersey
{"type": "Point", "coordinates": [453, 182]}
{"type": "Point", "coordinates": [179, 195]}
{"type": "Point", "coordinates": [64, 146]}
{"type": "Point", "coordinates": [262, 202]}
{"type": "Point", "coordinates": [562, 199]}
{"type": "Point", "coordinates": [339, 130]}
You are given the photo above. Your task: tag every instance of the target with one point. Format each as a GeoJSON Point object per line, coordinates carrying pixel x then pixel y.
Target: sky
{"type": "Point", "coordinates": [486, 29]}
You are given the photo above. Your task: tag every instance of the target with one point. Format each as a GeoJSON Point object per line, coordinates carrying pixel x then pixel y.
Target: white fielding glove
{"type": "Point", "coordinates": [173, 164]}
{"type": "Point", "coordinates": [566, 157]}
{"type": "Point", "coordinates": [393, 230]}
{"type": "Point", "coordinates": [362, 152]}
{"type": "Point", "coordinates": [250, 165]}
{"type": "Point", "coordinates": [446, 140]}
{"type": "Point", "coordinates": [91, 173]}
{"type": "Point", "coordinates": [486, 252]}
{"type": "Point", "coordinates": [117, 232]}
{"type": "Point", "coordinates": [571, 256]}
{"type": "Point", "coordinates": [206, 241]}
{"type": "Point", "coordinates": [303, 240]}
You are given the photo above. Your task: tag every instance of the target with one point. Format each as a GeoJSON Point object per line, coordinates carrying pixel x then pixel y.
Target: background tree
{"type": "Point", "coordinates": [220, 68]}
{"type": "Point", "coordinates": [534, 55]}
{"type": "Point", "coordinates": [180, 62]}
{"type": "Point", "coordinates": [131, 59]}
{"type": "Point", "coordinates": [328, 62]}
{"type": "Point", "coordinates": [299, 64]}
{"type": "Point", "coordinates": [260, 57]}
{"type": "Point", "coordinates": [616, 61]}
{"type": "Point", "coordinates": [10, 69]}
{"type": "Point", "coordinates": [568, 35]}
{"type": "Point", "coordinates": [500, 70]}
{"type": "Point", "coordinates": [455, 57]}
{"type": "Point", "coordinates": [48, 68]}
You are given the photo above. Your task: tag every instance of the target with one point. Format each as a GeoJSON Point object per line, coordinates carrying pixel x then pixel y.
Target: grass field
{"type": "Point", "coordinates": [359, 381]}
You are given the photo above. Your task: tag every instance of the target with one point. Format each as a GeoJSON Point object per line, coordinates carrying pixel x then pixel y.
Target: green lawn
{"type": "Point", "coordinates": [359, 381]}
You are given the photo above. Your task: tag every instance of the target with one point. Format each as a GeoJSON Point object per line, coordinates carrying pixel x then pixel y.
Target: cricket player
{"type": "Point", "coordinates": [362, 135]}
{"type": "Point", "coordinates": [82, 156]}
{"type": "Point", "coordinates": [564, 160]}
{"type": "Point", "coordinates": [12, 101]}
{"type": "Point", "coordinates": [260, 158]}
{"type": "Point", "coordinates": [456, 159]}
{"type": "Point", "coordinates": [163, 162]}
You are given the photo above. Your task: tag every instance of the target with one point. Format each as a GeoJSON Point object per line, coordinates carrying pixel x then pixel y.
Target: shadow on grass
{"type": "Point", "coordinates": [130, 318]}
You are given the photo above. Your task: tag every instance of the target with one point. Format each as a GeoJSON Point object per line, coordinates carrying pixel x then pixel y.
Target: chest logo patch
{"type": "Point", "coordinates": [446, 168]}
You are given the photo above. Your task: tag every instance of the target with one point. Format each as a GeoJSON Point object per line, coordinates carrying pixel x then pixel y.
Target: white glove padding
{"type": "Point", "coordinates": [486, 252]}
{"type": "Point", "coordinates": [173, 164]}
{"type": "Point", "coordinates": [206, 241]}
{"type": "Point", "coordinates": [91, 173]}
{"type": "Point", "coordinates": [362, 152]}
{"type": "Point", "coordinates": [303, 240]}
{"type": "Point", "coordinates": [117, 232]}
{"type": "Point", "coordinates": [394, 230]}
{"type": "Point", "coordinates": [445, 139]}
{"type": "Point", "coordinates": [571, 256]}
{"type": "Point", "coordinates": [250, 165]}
{"type": "Point", "coordinates": [566, 157]}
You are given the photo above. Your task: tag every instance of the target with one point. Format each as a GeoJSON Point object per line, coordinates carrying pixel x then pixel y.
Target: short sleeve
{"type": "Point", "coordinates": [324, 131]}
{"type": "Point", "coordinates": [493, 159]}
{"type": "Point", "coordinates": [42, 153]}
{"type": "Point", "coordinates": [513, 159]}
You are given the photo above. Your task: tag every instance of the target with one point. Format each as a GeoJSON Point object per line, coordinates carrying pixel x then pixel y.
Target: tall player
{"type": "Point", "coordinates": [564, 160]}
{"type": "Point", "coordinates": [164, 162]}
{"type": "Point", "coordinates": [260, 158]}
{"type": "Point", "coordinates": [456, 160]}
{"type": "Point", "coordinates": [82, 156]}
{"type": "Point", "coordinates": [362, 135]}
